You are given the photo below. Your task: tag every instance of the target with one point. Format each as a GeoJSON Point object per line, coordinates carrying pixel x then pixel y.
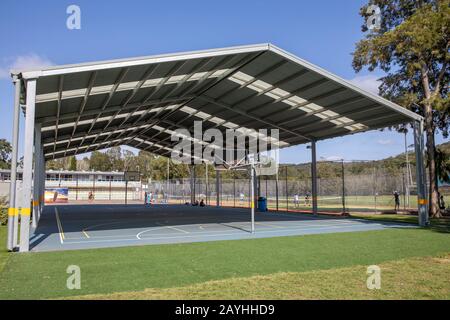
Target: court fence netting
{"type": "Point", "coordinates": [343, 186]}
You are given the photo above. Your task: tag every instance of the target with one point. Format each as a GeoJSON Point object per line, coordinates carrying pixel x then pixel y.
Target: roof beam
{"type": "Point", "coordinates": [60, 87]}
{"type": "Point", "coordinates": [331, 107]}
{"type": "Point", "coordinates": [84, 101]}
{"type": "Point", "coordinates": [110, 109]}
{"type": "Point", "coordinates": [178, 66]}
{"type": "Point", "coordinates": [248, 115]}
{"type": "Point", "coordinates": [236, 67]}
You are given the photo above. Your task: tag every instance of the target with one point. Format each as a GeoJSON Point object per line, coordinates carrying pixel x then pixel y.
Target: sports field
{"type": "Point", "coordinates": [333, 204]}
{"type": "Point", "coordinates": [414, 264]}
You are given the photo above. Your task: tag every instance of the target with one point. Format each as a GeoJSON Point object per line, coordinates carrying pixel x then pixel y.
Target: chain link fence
{"type": "Point", "coordinates": [350, 186]}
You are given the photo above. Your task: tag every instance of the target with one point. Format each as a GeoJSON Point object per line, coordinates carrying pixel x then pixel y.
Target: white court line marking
{"type": "Point", "coordinates": [100, 225]}
{"type": "Point", "coordinates": [173, 228]}
{"type": "Point", "coordinates": [216, 234]}
{"type": "Point", "coordinates": [59, 225]}
{"type": "Point", "coordinates": [138, 236]}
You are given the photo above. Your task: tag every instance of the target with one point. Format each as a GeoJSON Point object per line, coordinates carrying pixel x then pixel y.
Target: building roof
{"type": "Point", "coordinates": [140, 101]}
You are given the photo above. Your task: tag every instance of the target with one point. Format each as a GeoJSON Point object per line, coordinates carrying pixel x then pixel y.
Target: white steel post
{"type": "Point", "coordinates": [13, 210]}
{"type": "Point", "coordinates": [252, 196]}
{"type": "Point", "coordinates": [42, 187]}
{"type": "Point", "coordinates": [37, 174]}
{"type": "Point", "coordinates": [27, 166]}
{"type": "Point", "coordinates": [420, 174]}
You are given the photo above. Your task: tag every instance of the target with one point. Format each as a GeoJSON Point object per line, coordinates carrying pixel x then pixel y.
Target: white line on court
{"type": "Point", "coordinates": [173, 228]}
{"type": "Point", "coordinates": [59, 225]}
{"type": "Point", "coordinates": [218, 234]}
{"type": "Point", "coordinates": [138, 236]}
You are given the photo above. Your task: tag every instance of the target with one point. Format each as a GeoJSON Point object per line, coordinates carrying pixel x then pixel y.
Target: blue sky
{"type": "Point", "coordinates": [323, 32]}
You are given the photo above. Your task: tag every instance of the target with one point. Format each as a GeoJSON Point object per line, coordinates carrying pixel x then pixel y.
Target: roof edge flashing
{"type": "Point", "coordinates": [136, 61]}
{"type": "Point", "coordinates": [28, 75]}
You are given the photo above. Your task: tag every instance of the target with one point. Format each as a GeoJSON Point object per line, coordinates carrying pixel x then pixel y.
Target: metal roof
{"type": "Point", "coordinates": [140, 101]}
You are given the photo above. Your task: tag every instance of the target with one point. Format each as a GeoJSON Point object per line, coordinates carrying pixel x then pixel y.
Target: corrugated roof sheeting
{"type": "Point", "coordinates": [141, 101]}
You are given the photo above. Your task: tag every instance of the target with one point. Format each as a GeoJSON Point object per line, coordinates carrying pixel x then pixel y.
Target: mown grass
{"type": "Point", "coordinates": [386, 217]}
{"type": "Point", "coordinates": [441, 225]}
{"type": "Point", "coordinates": [413, 278]}
{"type": "Point", "coordinates": [43, 275]}
{"type": "Point", "coordinates": [4, 255]}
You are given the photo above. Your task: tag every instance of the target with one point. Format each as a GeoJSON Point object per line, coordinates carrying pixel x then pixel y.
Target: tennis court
{"type": "Point", "coordinates": [69, 227]}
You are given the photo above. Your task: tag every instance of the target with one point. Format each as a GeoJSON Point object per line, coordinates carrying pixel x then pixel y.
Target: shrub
{"type": "Point", "coordinates": [3, 211]}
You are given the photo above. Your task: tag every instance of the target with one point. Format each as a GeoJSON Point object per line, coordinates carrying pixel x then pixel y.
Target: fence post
{"type": "Point", "coordinates": [343, 188]}
{"type": "Point", "coordinates": [217, 188]}
{"type": "Point", "coordinates": [234, 189]}
{"type": "Point", "coordinates": [314, 177]}
{"type": "Point", "coordinates": [287, 193]}
{"type": "Point", "coordinates": [93, 186]}
{"type": "Point", "coordinates": [276, 190]}
{"type": "Point", "coordinates": [206, 184]}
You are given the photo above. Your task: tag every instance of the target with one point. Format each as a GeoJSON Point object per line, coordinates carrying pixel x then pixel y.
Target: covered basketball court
{"type": "Point", "coordinates": [71, 227]}
{"type": "Point", "coordinates": [140, 102]}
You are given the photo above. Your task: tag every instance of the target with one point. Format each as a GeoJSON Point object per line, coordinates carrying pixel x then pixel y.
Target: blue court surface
{"type": "Point", "coordinates": [69, 227]}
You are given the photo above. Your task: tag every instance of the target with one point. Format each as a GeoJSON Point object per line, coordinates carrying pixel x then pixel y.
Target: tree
{"type": "Point", "coordinates": [83, 165]}
{"type": "Point", "coordinates": [73, 163]}
{"type": "Point", "coordinates": [442, 165]}
{"type": "Point", "coordinates": [100, 161]}
{"type": "Point", "coordinates": [412, 48]}
{"type": "Point", "coordinates": [5, 154]}
{"type": "Point", "coordinates": [114, 155]}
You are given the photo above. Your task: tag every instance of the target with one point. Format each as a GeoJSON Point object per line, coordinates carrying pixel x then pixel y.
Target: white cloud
{"type": "Point", "coordinates": [25, 62]}
{"type": "Point", "coordinates": [385, 142]}
{"type": "Point", "coordinates": [369, 83]}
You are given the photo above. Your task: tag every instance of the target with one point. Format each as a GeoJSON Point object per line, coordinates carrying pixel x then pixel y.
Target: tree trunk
{"type": "Point", "coordinates": [434, 210]}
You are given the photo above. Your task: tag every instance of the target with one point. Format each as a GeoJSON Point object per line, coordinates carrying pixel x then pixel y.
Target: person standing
{"type": "Point", "coordinates": [307, 198]}
{"type": "Point", "coordinates": [296, 200]}
{"type": "Point", "coordinates": [149, 198]}
{"type": "Point", "coordinates": [397, 200]}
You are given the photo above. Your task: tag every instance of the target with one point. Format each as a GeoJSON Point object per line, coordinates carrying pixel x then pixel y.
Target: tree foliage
{"type": "Point", "coordinates": [5, 154]}
{"type": "Point", "coordinates": [412, 48]}
{"type": "Point", "coordinates": [413, 42]}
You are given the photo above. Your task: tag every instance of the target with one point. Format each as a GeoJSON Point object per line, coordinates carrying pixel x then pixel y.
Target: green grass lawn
{"type": "Point", "coordinates": [4, 255]}
{"type": "Point", "coordinates": [412, 278]}
{"type": "Point", "coordinates": [352, 203]}
{"type": "Point", "coordinates": [104, 271]}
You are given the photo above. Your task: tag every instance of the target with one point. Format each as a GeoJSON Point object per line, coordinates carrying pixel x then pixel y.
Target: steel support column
{"type": "Point", "coordinates": [42, 186]}
{"type": "Point", "coordinates": [27, 166]}
{"type": "Point", "coordinates": [252, 196]}
{"type": "Point", "coordinates": [37, 174]}
{"type": "Point", "coordinates": [314, 176]}
{"type": "Point", "coordinates": [13, 210]}
{"type": "Point", "coordinates": [420, 174]}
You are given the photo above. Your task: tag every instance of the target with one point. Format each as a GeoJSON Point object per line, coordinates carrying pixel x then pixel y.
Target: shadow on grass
{"type": "Point", "coordinates": [441, 225]}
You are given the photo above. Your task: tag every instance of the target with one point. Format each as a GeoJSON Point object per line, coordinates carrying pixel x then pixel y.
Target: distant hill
{"type": "Point", "coordinates": [392, 165]}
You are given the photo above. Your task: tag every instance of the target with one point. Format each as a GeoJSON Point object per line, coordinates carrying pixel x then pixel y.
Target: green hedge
{"type": "Point", "coordinates": [3, 211]}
